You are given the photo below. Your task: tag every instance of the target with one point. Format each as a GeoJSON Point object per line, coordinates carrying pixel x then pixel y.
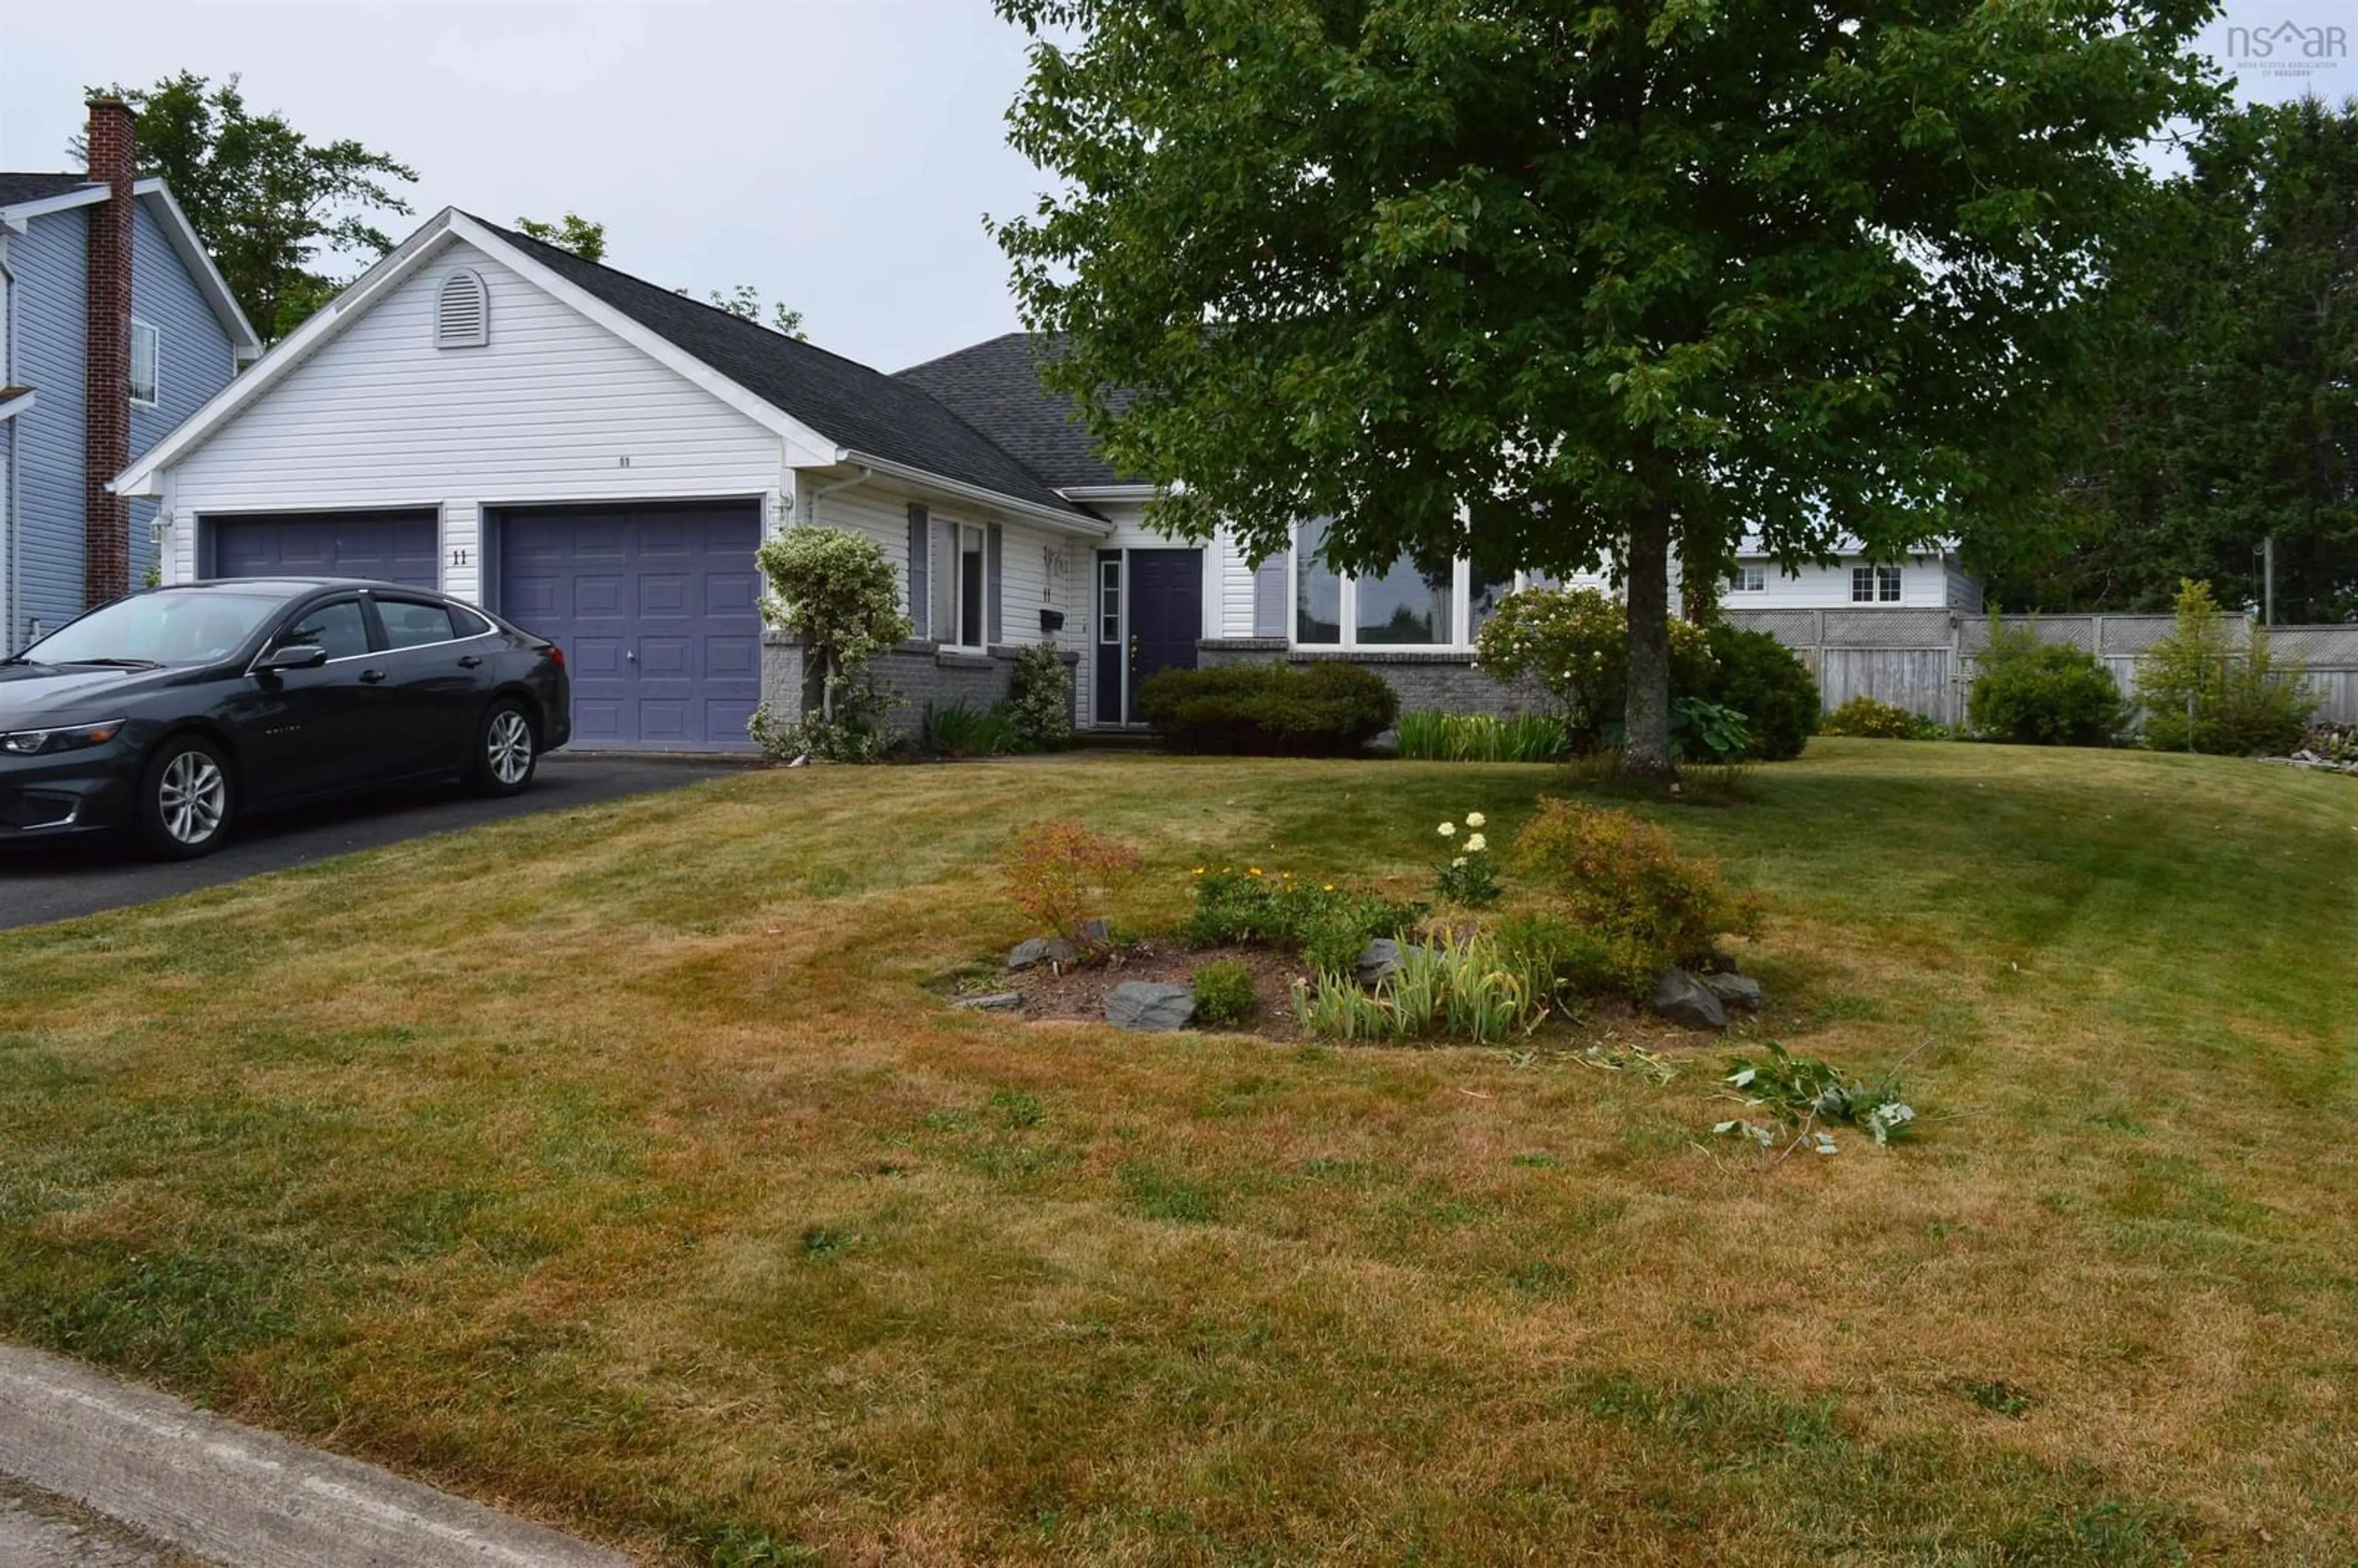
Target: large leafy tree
{"type": "Point", "coordinates": [277, 210]}
{"type": "Point", "coordinates": [2234, 416]}
{"type": "Point", "coordinates": [1553, 284]}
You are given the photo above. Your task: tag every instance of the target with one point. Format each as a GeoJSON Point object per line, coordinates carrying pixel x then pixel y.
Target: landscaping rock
{"type": "Point", "coordinates": [1686, 1001]}
{"type": "Point", "coordinates": [1041, 950]}
{"type": "Point", "coordinates": [1733, 989]}
{"type": "Point", "coordinates": [1380, 959]}
{"type": "Point", "coordinates": [1145, 1004]}
{"type": "Point", "coordinates": [996, 1001]}
{"type": "Point", "coordinates": [1097, 934]}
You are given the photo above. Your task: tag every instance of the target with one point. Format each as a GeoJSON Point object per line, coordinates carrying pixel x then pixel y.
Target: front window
{"type": "Point", "coordinates": [1110, 599]}
{"type": "Point", "coordinates": [147, 350]}
{"type": "Point", "coordinates": [186, 628]}
{"type": "Point", "coordinates": [1317, 589]}
{"type": "Point", "coordinates": [1483, 591]}
{"type": "Point", "coordinates": [961, 587]}
{"type": "Point", "coordinates": [1405, 607]}
{"type": "Point", "coordinates": [1875, 584]}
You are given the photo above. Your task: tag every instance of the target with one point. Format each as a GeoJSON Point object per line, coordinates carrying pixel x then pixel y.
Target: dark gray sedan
{"type": "Point", "coordinates": [173, 711]}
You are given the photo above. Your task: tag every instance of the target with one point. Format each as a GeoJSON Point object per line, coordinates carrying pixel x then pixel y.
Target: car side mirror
{"type": "Point", "coordinates": [294, 656]}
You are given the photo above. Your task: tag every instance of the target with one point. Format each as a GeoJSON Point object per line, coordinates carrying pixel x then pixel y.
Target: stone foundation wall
{"type": "Point", "coordinates": [1424, 679]}
{"type": "Point", "coordinates": [921, 672]}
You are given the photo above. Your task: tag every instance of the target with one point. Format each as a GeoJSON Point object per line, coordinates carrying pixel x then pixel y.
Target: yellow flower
{"type": "Point", "coordinates": [1253, 871]}
{"type": "Point", "coordinates": [1476, 843]}
{"type": "Point", "coordinates": [1476, 819]}
{"type": "Point", "coordinates": [1448, 829]}
{"type": "Point", "coordinates": [1329, 888]}
{"type": "Point", "coordinates": [1196, 872]}
{"type": "Point", "coordinates": [1459, 861]}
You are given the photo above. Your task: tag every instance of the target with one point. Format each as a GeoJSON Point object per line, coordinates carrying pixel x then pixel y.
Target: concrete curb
{"type": "Point", "coordinates": [238, 1495]}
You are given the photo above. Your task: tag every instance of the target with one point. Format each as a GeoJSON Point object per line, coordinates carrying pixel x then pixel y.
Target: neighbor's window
{"type": "Point", "coordinates": [1875, 584]}
{"type": "Point", "coordinates": [1317, 589]}
{"type": "Point", "coordinates": [1748, 580]}
{"type": "Point", "coordinates": [147, 350]}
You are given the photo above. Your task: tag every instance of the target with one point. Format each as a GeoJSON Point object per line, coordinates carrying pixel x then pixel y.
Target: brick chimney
{"type": "Point", "coordinates": [106, 405]}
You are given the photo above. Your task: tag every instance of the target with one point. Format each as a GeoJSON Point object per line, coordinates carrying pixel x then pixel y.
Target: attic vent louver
{"type": "Point", "coordinates": [462, 314]}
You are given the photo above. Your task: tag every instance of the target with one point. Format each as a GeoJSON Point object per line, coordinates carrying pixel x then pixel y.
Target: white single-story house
{"type": "Point", "coordinates": [597, 457]}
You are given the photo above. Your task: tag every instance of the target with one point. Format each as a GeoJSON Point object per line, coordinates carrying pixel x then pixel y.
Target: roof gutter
{"type": "Point", "coordinates": [1049, 516]}
{"type": "Point", "coordinates": [823, 491]}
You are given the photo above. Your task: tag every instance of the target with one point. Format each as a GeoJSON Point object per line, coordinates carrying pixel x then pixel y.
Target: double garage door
{"type": "Point", "coordinates": [656, 607]}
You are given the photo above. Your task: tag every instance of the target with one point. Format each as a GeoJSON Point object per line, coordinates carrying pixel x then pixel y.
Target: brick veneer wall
{"type": "Point", "coordinates": [920, 671]}
{"type": "Point", "coordinates": [106, 357]}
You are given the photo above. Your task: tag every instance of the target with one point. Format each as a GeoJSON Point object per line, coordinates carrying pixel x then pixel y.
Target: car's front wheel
{"type": "Point", "coordinates": [507, 751]}
{"type": "Point", "coordinates": [186, 799]}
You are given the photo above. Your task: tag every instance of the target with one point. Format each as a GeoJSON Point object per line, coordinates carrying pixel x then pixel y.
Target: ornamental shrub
{"type": "Point", "coordinates": [839, 595]}
{"type": "Point", "coordinates": [1868, 719]}
{"type": "Point", "coordinates": [1759, 677]}
{"type": "Point", "coordinates": [1323, 708]}
{"type": "Point", "coordinates": [1224, 994]}
{"type": "Point", "coordinates": [1329, 925]}
{"type": "Point", "coordinates": [1061, 875]}
{"type": "Point", "coordinates": [2243, 702]}
{"type": "Point", "coordinates": [1625, 879]}
{"type": "Point", "coordinates": [2031, 693]}
{"type": "Point", "coordinates": [1574, 644]}
{"type": "Point", "coordinates": [1039, 696]}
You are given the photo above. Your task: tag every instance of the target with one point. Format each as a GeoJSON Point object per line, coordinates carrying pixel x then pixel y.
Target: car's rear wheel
{"type": "Point", "coordinates": [186, 799]}
{"type": "Point", "coordinates": [507, 751]}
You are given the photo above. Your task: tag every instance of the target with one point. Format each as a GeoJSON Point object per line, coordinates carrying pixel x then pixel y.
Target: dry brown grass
{"type": "Point", "coordinates": [617, 1167]}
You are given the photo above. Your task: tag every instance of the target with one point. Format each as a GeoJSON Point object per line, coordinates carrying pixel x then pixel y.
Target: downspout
{"type": "Point", "coordinates": [826, 672]}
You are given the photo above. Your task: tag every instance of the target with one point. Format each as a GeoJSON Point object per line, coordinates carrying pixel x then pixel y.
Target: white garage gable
{"type": "Point", "coordinates": [551, 407]}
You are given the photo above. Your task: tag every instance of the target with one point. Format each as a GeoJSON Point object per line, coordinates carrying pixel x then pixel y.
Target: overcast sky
{"type": "Point", "coordinates": [838, 154]}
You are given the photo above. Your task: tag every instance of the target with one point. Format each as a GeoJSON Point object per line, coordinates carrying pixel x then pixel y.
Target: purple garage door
{"type": "Point", "coordinates": [389, 546]}
{"type": "Point", "coordinates": [655, 610]}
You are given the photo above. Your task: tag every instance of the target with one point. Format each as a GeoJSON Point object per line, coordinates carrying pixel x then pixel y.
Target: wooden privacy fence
{"type": "Point", "coordinates": [1923, 660]}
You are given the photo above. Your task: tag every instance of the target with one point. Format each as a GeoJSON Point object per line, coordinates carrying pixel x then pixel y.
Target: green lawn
{"type": "Point", "coordinates": [616, 1167]}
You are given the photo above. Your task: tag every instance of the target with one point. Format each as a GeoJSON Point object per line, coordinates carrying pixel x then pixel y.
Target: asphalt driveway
{"type": "Point", "coordinates": [62, 881]}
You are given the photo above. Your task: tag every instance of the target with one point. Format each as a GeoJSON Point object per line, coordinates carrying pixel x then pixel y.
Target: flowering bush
{"type": "Point", "coordinates": [1326, 925]}
{"type": "Point", "coordinates": [1575, 643]}
{"type": "Point", "coordinates": [1039, 696]}
{"type": "Point", "coordinates": [1060, 874]}
{"type": "Point", "coordinates": [1467, 877]}
{"type": "Point", "coordinates": [836, 591]}
{"type": "Point", "coordinates": [1625, 879]}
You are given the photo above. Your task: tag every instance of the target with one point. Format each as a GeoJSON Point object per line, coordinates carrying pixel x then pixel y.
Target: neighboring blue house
{"type": "Point", "coordinates": [108, 306]}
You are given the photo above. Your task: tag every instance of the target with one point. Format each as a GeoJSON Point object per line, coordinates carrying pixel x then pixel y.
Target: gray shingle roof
{"type": "Point", "coordinates": [995, 386]}
{"type": "Point", "coordinates": [17, 188]}
{"type": "Point", "coordinates": [847, 402]}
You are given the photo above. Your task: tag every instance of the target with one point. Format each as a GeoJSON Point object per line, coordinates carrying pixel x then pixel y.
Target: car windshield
{"type": "Point", "coordinates": [159, 629]}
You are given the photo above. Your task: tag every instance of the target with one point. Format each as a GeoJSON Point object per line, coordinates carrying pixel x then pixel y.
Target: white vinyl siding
{"type": "Point", "coordinates": [554, 408]}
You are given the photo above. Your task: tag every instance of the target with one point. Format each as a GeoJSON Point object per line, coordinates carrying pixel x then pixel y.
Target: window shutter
{"type": "Point", "coordinates": [1268, 597]}
{"type": "Point", "coordinates": [993, 559]}
{"type": "Point", "coordinates": [945, 583]}
{"type": "Point", "coordinates": [920, 604]}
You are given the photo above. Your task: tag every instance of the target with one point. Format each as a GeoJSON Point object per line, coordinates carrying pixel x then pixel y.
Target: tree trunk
{"type": "Point", "coordinates": [1646, 747]}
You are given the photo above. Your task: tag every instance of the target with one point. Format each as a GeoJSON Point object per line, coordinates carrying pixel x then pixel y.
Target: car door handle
{"type": "Point", "coordinates": [470, 662]}
{"type": "Point", "coordinates": [371, 677]}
